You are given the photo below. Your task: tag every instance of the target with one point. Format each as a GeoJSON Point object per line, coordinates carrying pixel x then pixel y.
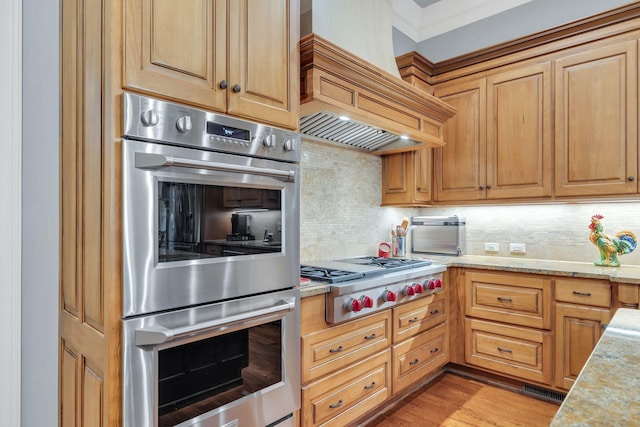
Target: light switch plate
{"type": "Point", "coordinates": [517, 248]}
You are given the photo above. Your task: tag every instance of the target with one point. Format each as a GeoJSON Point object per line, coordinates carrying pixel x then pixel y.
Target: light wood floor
{"type": "Point", "coordinates": [451, 400]}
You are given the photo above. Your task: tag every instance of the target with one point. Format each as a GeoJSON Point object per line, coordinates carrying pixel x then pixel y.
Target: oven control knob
{"type": "Point", "coordinates": [150, 118]}
{"type": "Point", "coordinates": [288, 145]}
{"type": "Point", "coordinates": [389, 296]}
{"type": "Point", "coordinates": [431, 285]}
{"type": "Point", "coordinates": [438, 283]}
{"type": "Point", "coordinates": [418, 287]}
{"type": "Point", "coordinates": [409, 290]}
{"type": "Point", "coordinates": [354, 305]}
{"type": "Point", "coordinates": [184, 124]}
{"type": "Point", "coordinates": [269, 141]}
{"type": "Point", "coordinates": [367, 301]}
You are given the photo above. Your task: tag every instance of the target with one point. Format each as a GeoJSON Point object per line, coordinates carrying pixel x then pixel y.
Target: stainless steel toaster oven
{"type": "Point", "coordinates": [442, 235]}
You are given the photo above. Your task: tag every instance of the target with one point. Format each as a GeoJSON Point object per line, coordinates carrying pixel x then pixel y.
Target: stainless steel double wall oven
{"type": "Point", "coordinates": [210, 268]}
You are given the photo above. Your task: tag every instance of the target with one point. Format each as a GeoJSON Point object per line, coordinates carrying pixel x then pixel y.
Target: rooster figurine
{"type": "Point", "coordinates": [610, 247]}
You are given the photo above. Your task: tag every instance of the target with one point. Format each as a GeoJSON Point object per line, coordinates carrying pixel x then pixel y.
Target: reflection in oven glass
{"type": "Point", "coordinates": [206, 221]}
{"type": "Point", "coordinates": [204, 375]}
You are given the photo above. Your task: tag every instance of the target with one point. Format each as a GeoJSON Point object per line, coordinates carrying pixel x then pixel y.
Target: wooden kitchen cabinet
{"type": "Point", "coordinates": [342, 397]}
{"type": "Point", "coordinates": [507, 324]}
{"type": "Point", "coordinates": [596, 118]}
{"type": "Point", "coordinates": [499, 141]}
{"type": "Point", "coordinates": [582, 310]}
{"type": "Point", "coordinates": [238, 57]}
{"type": "Point", "coordinates": [406, 178]}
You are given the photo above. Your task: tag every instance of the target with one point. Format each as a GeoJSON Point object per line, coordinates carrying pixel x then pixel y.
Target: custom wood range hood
{"type": "Point", "coordinates": [380, 106]}
{"type": "Point", "coordinates": [349, 100]}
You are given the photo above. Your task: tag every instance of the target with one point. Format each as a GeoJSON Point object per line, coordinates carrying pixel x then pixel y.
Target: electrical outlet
{"type": "Point", "coordinates": [517, 248]}
{"type": "Point", "coordinates": [491, 247]}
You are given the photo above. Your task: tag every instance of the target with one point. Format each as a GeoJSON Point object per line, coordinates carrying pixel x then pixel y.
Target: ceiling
{"type": "Point", "coordinates": [424, 19]}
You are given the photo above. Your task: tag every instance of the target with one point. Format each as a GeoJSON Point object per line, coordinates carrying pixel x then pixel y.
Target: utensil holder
{"type": "Point", "coordinates": [399, 246]}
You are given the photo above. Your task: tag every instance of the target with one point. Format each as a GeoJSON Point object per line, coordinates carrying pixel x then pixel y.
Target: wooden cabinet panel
{"type": "Point", "coordinates": [596, 121]}
{"type": "Point", "coordinates": [583, 292]}
{"type": "Point", "coordinates": [406, 178]}
{"type": "Point", "coordinates": [577, 331]}
{"type": "Point", "coordinates": [177, 51]}
{"type": "Point", "coordinates": [419, 356]}
{"type": "Point", "coordinates": [460, 165]}
{"type": "Point", "coordinates": [335, 347]}
{"type": "Point", "coordinates": [517, 299]}
{"type": "Point", "coordinates": [340, 398]}
{"type": "Point", "coordinates": [519, 133]}
{"type": "Point", "coordinates": [512, 350]}
{"type": "Point", "coordinates": [238, 57]}
{"type": "Point", "coordinates": [262, 56]}
{"type": "Point", "coordinates": [418, 316]}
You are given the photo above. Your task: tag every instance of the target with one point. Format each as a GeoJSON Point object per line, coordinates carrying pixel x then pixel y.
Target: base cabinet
{"type": "Point", "coordinates": [349, 370]}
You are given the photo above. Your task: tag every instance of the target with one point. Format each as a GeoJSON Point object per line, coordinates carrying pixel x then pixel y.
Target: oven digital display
{"type": "Point", "coordinates": [228, 131]}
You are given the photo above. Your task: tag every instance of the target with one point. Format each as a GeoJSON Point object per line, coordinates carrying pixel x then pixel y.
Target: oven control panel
{"type": "Point", "coordinates": [361, 303]}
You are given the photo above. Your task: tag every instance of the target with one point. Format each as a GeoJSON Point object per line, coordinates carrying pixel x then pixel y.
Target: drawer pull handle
{"type": "Point", "coordinates": [413, 362]}
{"type": "Point", "coordinates": [370, 386]}
{"type": "Point", "coordinates": [370, 337]}
{"type": "Point", "coordinates": [582, 294]}
{"type": "Point", "coordinates": [435, 350]}
{"type": "Point", "coordinates": [501, 299]}
{"type": "Point", "coordinates": [336, 350]}
{"type": "Point", "coordinates": [504, 350]}
{"type": "Point", "coordinates": [336, 405]}
{"type": "Point", "coordinates": [414, 320]}
{"type": "Point", "coordinates": [434, 312]}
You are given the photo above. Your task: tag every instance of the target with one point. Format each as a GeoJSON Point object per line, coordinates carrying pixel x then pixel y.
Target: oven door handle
{"type": "Point", "coordinates": [155, 161]}
{"type": "Point", "coordinates": [158, 334]}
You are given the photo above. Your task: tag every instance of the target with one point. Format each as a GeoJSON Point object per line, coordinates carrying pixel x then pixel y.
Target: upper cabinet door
{"type": "Point", "coordinates": [263, 61]}
{"type": "Point", "coordinates": [177, 50]}
{"type": "Point", "coordinates": [519, 133]}
{"type": "Point", "coordinates": [596, 122]}
{"type": "Point", "coordinates": [460, 165]}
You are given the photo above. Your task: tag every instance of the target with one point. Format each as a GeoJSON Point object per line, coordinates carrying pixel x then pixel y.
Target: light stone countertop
{"type": "Point", "coordinates": [623, 274]}
{"type": "Point", "coordinates": [607, 391]}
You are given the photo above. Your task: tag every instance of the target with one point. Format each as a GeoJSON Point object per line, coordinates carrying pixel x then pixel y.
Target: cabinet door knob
{"type": "Point", "coordinates": [631, 178]}
{"type": "Point", "coordinates": [223, 84]}
{"type": "Point", "coordinates": [488, 187]}
{"type": "Point", "coordinates": [481, 187]}
{"type": "Point", "coordinates": [236, 88]}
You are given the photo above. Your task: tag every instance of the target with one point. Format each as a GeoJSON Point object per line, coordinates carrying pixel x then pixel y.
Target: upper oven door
{"type": "Point", "coordinates": [200, 226]}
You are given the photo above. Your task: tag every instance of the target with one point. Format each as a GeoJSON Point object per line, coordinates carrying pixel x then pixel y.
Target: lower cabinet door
{"type": "Point", "coordinates": [340, 398]}
{"type": "Point", "coordinates": [417, 357]}
{"type": "Point", "coordinates": [512, 350]}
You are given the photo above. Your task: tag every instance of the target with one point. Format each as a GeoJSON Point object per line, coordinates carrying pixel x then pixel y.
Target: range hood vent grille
{"type": "Point", "coordinates": [331, 127]}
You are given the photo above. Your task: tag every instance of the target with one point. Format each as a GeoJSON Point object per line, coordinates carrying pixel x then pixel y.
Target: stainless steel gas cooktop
{"type": "Point", "coordinates": [363, 285]}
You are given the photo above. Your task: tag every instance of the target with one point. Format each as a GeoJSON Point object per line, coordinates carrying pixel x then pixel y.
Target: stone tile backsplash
{"type": "Point", "coordinates": [341, 216]}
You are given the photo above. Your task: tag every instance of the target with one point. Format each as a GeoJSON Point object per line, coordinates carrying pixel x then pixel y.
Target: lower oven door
{"type": "Point", "coordinates": [234, 363]}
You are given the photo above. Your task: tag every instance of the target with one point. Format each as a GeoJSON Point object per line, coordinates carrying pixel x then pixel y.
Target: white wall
{"type": "Point", "coordinates": [40, 219]}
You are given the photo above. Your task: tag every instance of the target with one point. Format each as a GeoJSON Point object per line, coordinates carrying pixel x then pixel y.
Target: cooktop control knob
{"type": "Point", "coordinates": [389, 296]}
{"type": "Point", "coordinates": [438, 283]}
{"type": "Point", "coordinates": [409, 290]}
{"type": "Point", "coordinates": [418, 287]}
{"type": "Point", "coordinates": [367, 301]}
{"type": "Point", "coordinates": [431, 284]}
{"type": "Point", "coordinates": [150, 118]}
{"type": "Point", "coordinates": [354, 305]}
{"type": "Point", "coordinates": [184, 124]}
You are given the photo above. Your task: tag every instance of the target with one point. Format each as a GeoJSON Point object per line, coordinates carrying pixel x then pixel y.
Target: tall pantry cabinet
{"type": "Point", "coordinates": [180, 51]}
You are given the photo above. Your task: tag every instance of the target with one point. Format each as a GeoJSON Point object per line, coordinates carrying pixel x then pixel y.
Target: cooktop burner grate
{"type": "Point", "coordinates": [328, 274]}
{"type": "Point", "coordinates": [388, 263]}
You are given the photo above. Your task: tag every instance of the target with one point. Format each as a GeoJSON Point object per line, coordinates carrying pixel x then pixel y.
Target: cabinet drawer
{"type": "Point", "coordinates": [340, 398]}
{"type": "Point", "coordinates": [336, 347]}
{"type": "Point", "coordinates": [512, 350]}
{"type": "Point", "coordinates": [419, 356]}
{"type": "Point", "coordinates": [418, 316]}
{"type": "Point", "coordinates": [517, 299]}
{"type": "Point", "coordinates": [585, 292]}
